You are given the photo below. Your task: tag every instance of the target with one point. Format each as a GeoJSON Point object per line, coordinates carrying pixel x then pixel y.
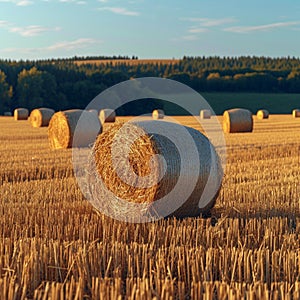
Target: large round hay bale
{"type": "Point", "coordinates": [296, 113]}
{"type": "Point", "coordinates": [116, 189]}
{"type": "Point", "coordinates": [107, 115]}
{"type": "Point", "coordinates": [158, 114]}
{"type": "Point", "coordinates": [21, 114]}
{"type": "Point", "coordinates": [262, 114]}
{"type": "Point", "coordinates": [205, 114]}
{"type": "Point", "coordinates": [237, 120]}
{"type": "Point", "coordinates": [62, 128]}
{"type": "Point", "coordinates": [41, 117]}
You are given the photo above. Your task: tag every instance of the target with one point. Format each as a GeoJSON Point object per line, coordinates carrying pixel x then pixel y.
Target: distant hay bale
{"type": "Point", "coordinates": [116, 197]}
{"type": "Point", "coordinates": [158, 114]}
{"type": "Point", "coordinates": [296, 113]}
{"type": "Point", "coordinates": [41, 117]}
{"type": "Point", "coordinates": [262, 114]}
{"type": "Point", "coordinates": [205, 114]}
{"type": "Point", "coordinates": [94, 111]}
{"type": "Point", "coordinates": [7, 114]}
{"type": "Point", "coordinates": [21, 114]}
{"type": "Point", "coordinates": [107, 115]}
{"type": "Point", "coordinates": [62, 128]}
{"type": "Point", "coordinates": [237, 120]}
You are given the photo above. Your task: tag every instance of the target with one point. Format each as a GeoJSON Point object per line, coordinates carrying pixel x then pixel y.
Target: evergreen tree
{"type": "Point", "coordinates": [4, 93]}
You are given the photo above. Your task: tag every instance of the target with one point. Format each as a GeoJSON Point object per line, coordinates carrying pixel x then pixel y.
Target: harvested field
{"type": "Point", "coordinates": [55, 245]}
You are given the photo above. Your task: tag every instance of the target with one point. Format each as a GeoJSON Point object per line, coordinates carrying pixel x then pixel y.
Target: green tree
{"type": "Point", "coordinates": [37, 88]}
{"type": "Point", "coordinates": [49, 91]}
{"type": "Point", "coordinates": [4, 93]}
{"type": "Point", "coordinates": [30, 88]}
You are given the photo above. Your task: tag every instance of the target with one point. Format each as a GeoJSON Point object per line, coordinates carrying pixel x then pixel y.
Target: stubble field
{"type": "Point", "coordinates": [54, 245]}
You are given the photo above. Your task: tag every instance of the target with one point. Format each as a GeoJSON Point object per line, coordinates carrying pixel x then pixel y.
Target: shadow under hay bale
{"type": "Point", "coordinates": [137, 175]}
{"type": "Point", "coordinates": [41, 117]}
{"type": "Point", "coordinates": [237, 120]}
{"type": "Point", "coordinates": [205, 114]}
{"type": "Point", "coordinates": [107, 115]}
{"type": "Point", "coordinates": [262, 114]}
{"type": "Point", "coordinates": [21, 114]}
{"type": "Point", "coordinates": [63, 124]}
{"type": "Point", "coordinates": [158, 114]}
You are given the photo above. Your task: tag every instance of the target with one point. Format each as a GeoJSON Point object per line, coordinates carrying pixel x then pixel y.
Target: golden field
{"type": "Point", "coordinates": [54, 245]}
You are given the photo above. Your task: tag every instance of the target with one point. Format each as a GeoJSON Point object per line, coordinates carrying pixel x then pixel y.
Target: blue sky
{"type": "Point", "coordinates": [34, 29]}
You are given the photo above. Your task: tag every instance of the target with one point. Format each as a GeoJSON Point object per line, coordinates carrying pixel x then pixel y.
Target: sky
{"type": "Point", "coordinates": [38, 29]}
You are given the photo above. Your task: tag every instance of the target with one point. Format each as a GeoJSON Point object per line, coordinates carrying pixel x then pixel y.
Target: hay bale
{"type": "Point", "coordinates": [144, 184]}
{"type": "Point", "coordinates": [41, 117]}
{"type": "Point", "coordinates": [296, 113]}
{"type": "Point", "coordinates": [62, 128]}
{"type": "Point", "coordinates": [158, 114]}
{"type": "Point", "coordinates": [237, 120]}
{"type": "Point", "coordinates": [107, 115]}
{"type": "Point", "coordinates": [205, 114]}
{"type": "Point", "coordinates": [7, 114]}
{"type": "Point", "coordinates": [94, 111]}
{"type": "Point", "coordinates": [262, 114]}
{"type": "Point", "coordinates": [21, 114]}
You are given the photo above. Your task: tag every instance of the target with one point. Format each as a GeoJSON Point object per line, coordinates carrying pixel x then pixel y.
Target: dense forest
{"type": "Point", "coordinates": [63, 84]}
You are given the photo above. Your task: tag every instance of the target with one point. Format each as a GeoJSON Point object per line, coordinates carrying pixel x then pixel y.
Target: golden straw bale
{"type": "Point", "coordinates": [158, 114]}
{"type": "Point", "coordinates": [148, 178]}
{"type": "Point", "coordinates": [262, 114]}
{"type": "Point", "coordinates": [296, 113]}
{"type": "Point", "coordinates": [21, 114]}
{"type": "Point", "coordinates": [205, 114]}
{"type": "Point", "coordinates": [107, 115]}
{"type": "Point", "coordinates": [41, 117]}
{"type": "Point", "coordinates": [237, 120]}
{"type": "Point", "coordinates": [62, 128]}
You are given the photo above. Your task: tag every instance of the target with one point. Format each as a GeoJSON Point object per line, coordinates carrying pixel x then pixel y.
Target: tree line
{"type": "Point", "coordinates": [63, 84]}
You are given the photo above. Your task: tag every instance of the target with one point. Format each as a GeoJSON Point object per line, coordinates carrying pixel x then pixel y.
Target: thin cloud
{"type": "Point", "coordinates": [24, 3]}
{"type": "Point", "coordinates": [72, 45]}
{"type": "Point", "coordinates": [202, 25]}
{"type": "Point", "coordinates": [197, 30]}
{"type": "Point", "coordinates": [19, 2]}
{"type": "Point", "coordinates": [266, 27]}
{"type": "Point", "coordinates": [207, 22]}
{"type": "Point", "coordinates": [66, 46]}
{"type": "Point", "coordinates": [3, 23]}
{"type": "Point", "coordinates": [119, 11]}
{"type": "Point", "coordinates": [26, 31]}
{"type": "Point", "coordinates": [79, 2]}
{"type": "Point", "coordinates": [190, 37]}
{"type": "Point", "coordinates": [33, 30]}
